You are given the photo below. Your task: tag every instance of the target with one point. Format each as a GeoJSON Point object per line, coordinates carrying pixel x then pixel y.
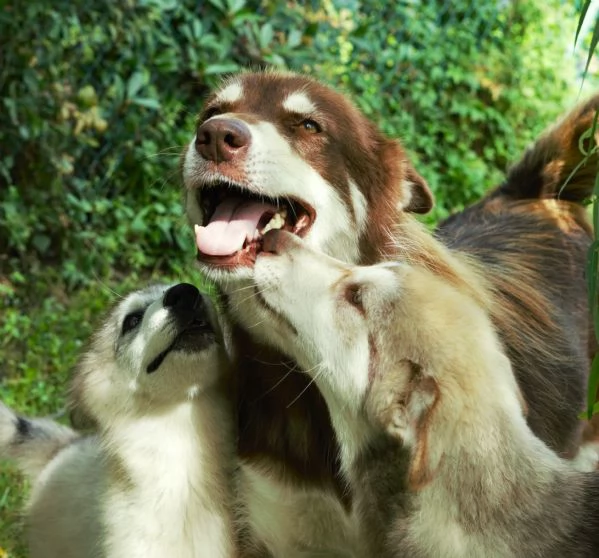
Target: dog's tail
{"type": "Point", "coordinates": [31, 443]}
{"type": "Point", "coordinates": [554, 167]}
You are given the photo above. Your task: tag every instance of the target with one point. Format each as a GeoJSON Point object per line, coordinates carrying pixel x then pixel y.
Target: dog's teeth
{"type": "Point", "coordinates": [277, 221]}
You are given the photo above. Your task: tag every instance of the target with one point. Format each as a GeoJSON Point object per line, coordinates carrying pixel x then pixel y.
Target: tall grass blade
{"type": "Point", "coordinates": [594, 41]}
{"type": "Point", "coordinates": [583, 13]}
{"type": "Point", "coordinates": [593, 385]}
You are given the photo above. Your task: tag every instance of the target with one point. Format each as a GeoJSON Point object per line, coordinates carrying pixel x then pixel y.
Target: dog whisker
{"type": "Point", "coordinates": [313, 379]}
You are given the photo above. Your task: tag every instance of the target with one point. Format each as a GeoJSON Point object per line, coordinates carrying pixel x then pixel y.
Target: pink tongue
{"type": "Point", "coordinates": [234, 221]}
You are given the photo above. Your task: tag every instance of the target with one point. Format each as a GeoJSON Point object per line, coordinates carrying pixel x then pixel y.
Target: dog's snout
{"type": "Point", "coordinates": [181, 296]}
{"type": "Point", "coordinates": [222, 139]}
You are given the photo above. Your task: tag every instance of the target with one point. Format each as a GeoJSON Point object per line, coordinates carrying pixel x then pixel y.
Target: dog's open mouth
{"type": "Point", "coordinates": [196, 336]}
{"type": "Point", "coordinates": [236, 220]}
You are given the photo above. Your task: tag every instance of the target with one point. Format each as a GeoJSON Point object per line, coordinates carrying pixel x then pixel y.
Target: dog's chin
{"type": "Point", "coordinates": [192, 340]}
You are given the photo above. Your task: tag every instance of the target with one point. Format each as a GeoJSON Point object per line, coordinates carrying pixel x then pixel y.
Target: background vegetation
{"type": "Point", "coordinates": [98, 99]}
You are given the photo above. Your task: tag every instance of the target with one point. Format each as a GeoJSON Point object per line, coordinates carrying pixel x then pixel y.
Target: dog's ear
{"type": "Point", "coordinates": [418, 197]}
{"type": "Point", "coordinates": [414, 195]}
{"type": "Point", "coordinates": [406, 416]}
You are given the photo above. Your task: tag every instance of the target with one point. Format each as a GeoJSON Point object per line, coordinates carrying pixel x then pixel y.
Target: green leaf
{"type": "Point", "coordinates": [592, 387]}
{"type": "Point", "coordinates": [235, 6]}
{"type": "Point", "coordinates": [581, 18]}
{"type": "Point", "coordinates": [41, 242]}
{"type": "Point", "coordinates": [594, 41]}
{"type": "Point", "coordinates": [266, 35]}
{"type": "Point", "coordinates": [294, 38]}
{"type": "Point", "coordinates": [147, 102]}
{"type": "Point", "coordinates": [136, 82]}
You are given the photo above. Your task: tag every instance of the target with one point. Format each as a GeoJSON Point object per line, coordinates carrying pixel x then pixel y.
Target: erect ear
{"type": "Point", "coordinates": [407, 416]}
{"type": "Point", "coordinates": [417, 196]}
{"type": "Point", "coordinates": [414, 194]}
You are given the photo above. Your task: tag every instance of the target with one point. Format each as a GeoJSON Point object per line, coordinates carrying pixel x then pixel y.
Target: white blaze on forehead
{"type": "Point", "coordinates": [300, 103]}
{"type": "Point", "coordinates": [231, 93]}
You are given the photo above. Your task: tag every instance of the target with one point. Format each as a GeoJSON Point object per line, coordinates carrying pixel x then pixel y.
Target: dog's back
{"type": "Point", "coordinates": [531, 236]}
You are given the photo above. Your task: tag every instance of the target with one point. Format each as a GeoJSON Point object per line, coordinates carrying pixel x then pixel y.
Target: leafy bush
{"type": "Point", "coordinates": [97, 107]}
{"type": "Point", "coordinates": [465, 85]}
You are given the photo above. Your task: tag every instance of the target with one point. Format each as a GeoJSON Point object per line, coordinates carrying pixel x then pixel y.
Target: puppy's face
{"type": "Point", "coordinates": [158, 346]}
{"type": "Point", "coordinates": [276, 150]}
{"type": "Point", "coordinates": [377, 335]}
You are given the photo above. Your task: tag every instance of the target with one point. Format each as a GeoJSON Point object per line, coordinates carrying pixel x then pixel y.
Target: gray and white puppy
{"type": "Point", "coordinates": [156, 480]}
{"type": "Point", "coordinates": [430, 420]}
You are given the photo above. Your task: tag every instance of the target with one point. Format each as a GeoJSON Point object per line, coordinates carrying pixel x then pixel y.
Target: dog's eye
{"type": "Point", "coordinates": [353, 295]}
{"type": "Point", "coordinates": [311, 126]}
{"type": "Point", "coordinates": [131, 321]}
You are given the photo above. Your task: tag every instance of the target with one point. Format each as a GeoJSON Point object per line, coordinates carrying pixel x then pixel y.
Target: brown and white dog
{"type": "Point", "coordinates": [282, 150]}
{"type": "Point", "coordinates": [430, 419]}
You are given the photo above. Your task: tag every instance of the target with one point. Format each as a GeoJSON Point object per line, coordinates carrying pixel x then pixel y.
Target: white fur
{"type": "Point", "coordinates": [296, 523]}
{"type": "Point", "coordinates": [287, 282]}
{"type": "Point", "coordinates": [232, 93]}
{"type": "Point", "coordinates": [299, 102]}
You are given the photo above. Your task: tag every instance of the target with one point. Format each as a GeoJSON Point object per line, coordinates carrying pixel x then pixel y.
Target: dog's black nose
{"type": "Point", "coordinates": [181, 296]}
{"type": "Point", "coordinates": [222, 139]}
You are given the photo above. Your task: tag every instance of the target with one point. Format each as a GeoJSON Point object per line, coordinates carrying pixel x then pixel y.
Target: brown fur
{"type": "Point", "coordinates": [530, 246]}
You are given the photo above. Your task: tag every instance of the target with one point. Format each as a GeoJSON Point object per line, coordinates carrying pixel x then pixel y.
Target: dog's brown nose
{"type": "Point", "coordinates": [222, 139]}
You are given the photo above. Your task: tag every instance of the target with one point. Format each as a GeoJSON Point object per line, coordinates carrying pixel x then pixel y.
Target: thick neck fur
{"type": "Point", "coordinates": [169, 481]}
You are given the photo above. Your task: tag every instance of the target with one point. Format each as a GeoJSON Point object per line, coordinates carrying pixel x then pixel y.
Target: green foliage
{"type": "Point", "coordinates": [464, 85]}
{"type": "Point", "coordinates": [97, 108]}
{"type": "Point", "coordinates": [95, 112]}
